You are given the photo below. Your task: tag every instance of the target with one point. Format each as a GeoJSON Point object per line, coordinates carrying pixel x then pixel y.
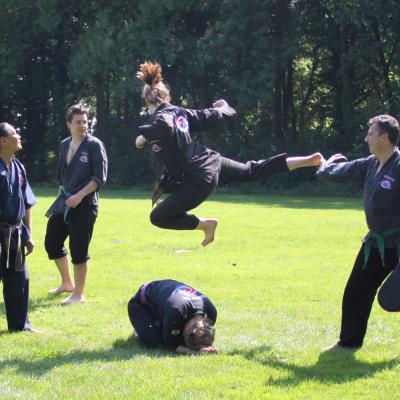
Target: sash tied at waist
{"type": "Point", "coordinates": [379, 239]}
{"type": "Point", "coordinates": [7, 230]}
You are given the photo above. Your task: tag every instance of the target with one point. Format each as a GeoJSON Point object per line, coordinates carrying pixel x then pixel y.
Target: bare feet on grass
{"type": "Point", "coordinates": [208, 226]}
{"type": "Point", "coordinates": [73, 299]}
{"type": "Point", "coordinates": [61, 289]}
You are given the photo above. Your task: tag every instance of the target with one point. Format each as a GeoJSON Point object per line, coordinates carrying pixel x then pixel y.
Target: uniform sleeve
{"type": "Point", "coordinates": [158, 127]}
{"type": "Point", "coordinates": [99, 163]}
{"type": "Point", "coordinates": [29, 197]}
{"type": "Point", "coordinates": [210, 118]}
{"type": "Point", "coordinates": [27, 192]}
{"type": "Point", "coordinates": [173, 325]}
{"type": "Point", "coordinates": [210, 311]}
{"type": "Point", "coordinates": [352, 171]}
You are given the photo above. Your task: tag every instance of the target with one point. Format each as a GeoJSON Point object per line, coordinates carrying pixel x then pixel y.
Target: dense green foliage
{"type": "Point", "coordinates": [278, 293]}
{"type": "Point", "coordinates": [303, 75]}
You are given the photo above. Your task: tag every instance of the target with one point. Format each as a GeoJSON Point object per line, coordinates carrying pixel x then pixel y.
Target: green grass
{"type": "Point", "coordinates": [276, 273]}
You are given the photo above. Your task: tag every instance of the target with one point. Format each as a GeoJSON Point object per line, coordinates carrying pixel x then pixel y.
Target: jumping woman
{"type": "Point", "coordinates": [196, 169]}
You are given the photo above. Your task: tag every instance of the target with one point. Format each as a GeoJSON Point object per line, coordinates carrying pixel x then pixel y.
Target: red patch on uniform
{"type": "Point", "coordinates": [182, 123]}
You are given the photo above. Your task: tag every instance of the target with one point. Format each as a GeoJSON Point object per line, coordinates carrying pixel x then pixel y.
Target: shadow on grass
{"type": "Point", "coordinates": [36, 304]}
{"type": "Point", "coordinates": [337, 366]}
{"type": "Point", "coordinates": [122, 350]}
{"type": "Point", "coordinates": [235, 197]}
{"type": "Point", "coordinates": [286, 201]}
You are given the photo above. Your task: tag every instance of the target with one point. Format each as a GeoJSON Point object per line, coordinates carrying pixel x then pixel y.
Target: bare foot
{"type": "Point", "coordinates": [61, 289]}
{"type": "Point", "coordinates": [208, 226]}
{"type": "Point", "coordinates": [332, 347]}
{"type": "Point", "coordinates": [72, 299]}
{"type": "Point", "coordinates": [315, 160]}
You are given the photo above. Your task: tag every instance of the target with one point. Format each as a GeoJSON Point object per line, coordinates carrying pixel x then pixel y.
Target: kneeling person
{"type": "Point", "coordinates": [175, 315]}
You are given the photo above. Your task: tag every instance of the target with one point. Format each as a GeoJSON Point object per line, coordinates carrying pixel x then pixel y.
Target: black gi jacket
{"type": "Point", "coordinates": [16, 195]}
{"type": "Point", "coordinates": [169, 136]}
{"type": "Point", "coordinates": [174, 303]}
{"type": "Point", "coordinates": [88, 163]}
{"type": "Point", "coordinates": [381, 191]}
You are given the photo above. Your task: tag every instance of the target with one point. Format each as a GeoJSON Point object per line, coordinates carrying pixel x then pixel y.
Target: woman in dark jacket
{"type": "Point", "coordinates": [172, 314]}
{"type": "Point", "coordinates": [196, 169]}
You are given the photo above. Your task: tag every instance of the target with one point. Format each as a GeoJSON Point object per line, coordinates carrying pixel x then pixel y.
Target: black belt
{"type": "Point", "coordinates": [7, 231]}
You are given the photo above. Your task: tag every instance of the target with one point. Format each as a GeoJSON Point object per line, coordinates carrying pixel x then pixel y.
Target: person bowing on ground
{"type": "Point", "coordinates": [172, 314]}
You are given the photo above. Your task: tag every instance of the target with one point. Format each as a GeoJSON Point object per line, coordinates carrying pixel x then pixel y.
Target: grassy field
{"type": "Point", "coordinates": [276, 273]}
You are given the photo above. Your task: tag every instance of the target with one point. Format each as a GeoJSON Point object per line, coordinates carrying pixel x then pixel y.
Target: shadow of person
{"type": "Point", "coordinates": [331, 367]}
{"type": "Point", "coordinates": [121, 350]}
{"type": "Point", "coordinates": [34, 304]}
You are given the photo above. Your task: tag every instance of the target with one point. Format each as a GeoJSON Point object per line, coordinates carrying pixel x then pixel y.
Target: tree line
{"type": "Point", "coordinates": [304, 75]}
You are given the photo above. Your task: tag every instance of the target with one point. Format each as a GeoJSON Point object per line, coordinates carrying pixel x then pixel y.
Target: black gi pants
{"type": "Point", "coordinates": [79, 229]}
{"type": "Point", "coordinates": [145, 323]}
{"type": "Point", "coordinates": [360, 292]}
{"type": "Point", "coordinates": [15, 291]}
{"type": "Point", "coordinates": [172, 212]}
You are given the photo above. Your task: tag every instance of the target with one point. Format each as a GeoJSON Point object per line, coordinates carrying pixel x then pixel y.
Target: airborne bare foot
{"type": "Point", "coordinates": [73, 299]}
{"type": "Point", "coordinates": [61, 289]}
{"type": "Point", "coordinates": [315, 160]}
{"type": "Point", "coordinates": [209, 226]}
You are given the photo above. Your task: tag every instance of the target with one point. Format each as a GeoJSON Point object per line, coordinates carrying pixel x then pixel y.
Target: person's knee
{"type": "Point", "coordinates": [157, 219]}
{"type": "Point", "coordinates": [54, 249]}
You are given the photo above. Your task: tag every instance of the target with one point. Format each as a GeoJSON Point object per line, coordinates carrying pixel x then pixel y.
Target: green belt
{"type": "Point", "coordinates": [379, 238]}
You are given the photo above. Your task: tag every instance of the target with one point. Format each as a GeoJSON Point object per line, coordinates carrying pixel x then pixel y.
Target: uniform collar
{"type": "Point", "coordinates": [162, 107]}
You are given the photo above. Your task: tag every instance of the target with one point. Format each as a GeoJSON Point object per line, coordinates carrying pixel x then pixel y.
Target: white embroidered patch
{"type": "Point", "coordinates": [84, 157]}
{"type": "Point", "coordinates": [386, 184]}
{"type": "Point", "coordinates": [155, 148]}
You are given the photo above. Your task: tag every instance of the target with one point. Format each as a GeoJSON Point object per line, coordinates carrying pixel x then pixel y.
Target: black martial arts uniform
{"type": "Point", "coordinates": [16, 197]}
{"type": "Point", "coordinates": [379, 252]}
{"type": "Point", "coordinates": [160, 310]}
{"type": "Point", "coordinates": [200, 169]}
{"type": "Point", "coordinates": [89, 163]}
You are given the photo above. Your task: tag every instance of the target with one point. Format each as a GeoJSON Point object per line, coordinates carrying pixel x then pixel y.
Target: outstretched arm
{"type": "Point", "coordinates": [338, 169]}
{"type": "Point", "coordinates": [210, 118]}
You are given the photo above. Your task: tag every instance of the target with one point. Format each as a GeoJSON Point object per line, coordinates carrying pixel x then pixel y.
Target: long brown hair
{"type": "Point", "coordinates": [201, 335]}
{"type": "Point", "coordinates": [155, 91]}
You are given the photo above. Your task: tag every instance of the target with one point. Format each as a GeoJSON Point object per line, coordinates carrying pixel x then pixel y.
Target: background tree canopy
{"type": "Point", "coordinates": [304, 75]}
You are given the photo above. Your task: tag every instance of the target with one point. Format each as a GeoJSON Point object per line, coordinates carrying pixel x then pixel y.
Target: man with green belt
{"type": "Point", "coordinates": [380, 175]}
